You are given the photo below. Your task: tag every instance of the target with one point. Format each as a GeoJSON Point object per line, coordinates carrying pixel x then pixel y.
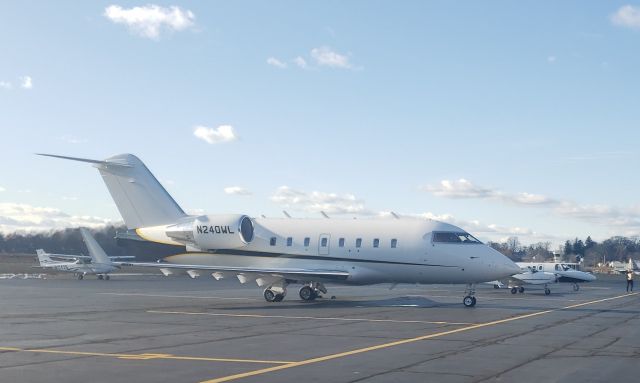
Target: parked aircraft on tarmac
{"type": "Point", "coordinates": [565, 272]}
{"type": "Point", "coordinates": [278, 252]}
{"type": "Point", "coordinates": [545, 273]}
{"type": "Point", "coordinates": [101, 264]}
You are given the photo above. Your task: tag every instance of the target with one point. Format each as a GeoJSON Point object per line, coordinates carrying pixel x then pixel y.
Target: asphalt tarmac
{"type": "Point", "coordinates": [157, 329]}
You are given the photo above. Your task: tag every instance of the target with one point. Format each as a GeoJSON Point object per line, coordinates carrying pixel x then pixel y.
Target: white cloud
{"type": "Point", "coordinates": [551, 59]}
{"type": "Point", "coordinates": [616, 218]}
{"type": "Point", "coordinates": [464, 189]}
{"type": "Point", "coordinates": [23, 217]}
{"type": "Point", "coordinates": [224, 133]}
{"type": "Point", "coordinates": [237, 190]}
{"type": "Point", "coordinates": [5, 85]}
{"type": "Point", "coordinates": [26, 82]}
{"type": "Point", "coordinates": [301, 62]}
{"type": "Point", "coordinates": [149, 20]}
{"type": "Point", "coordinates": [2, 189]}
{"type": "Point", "coordinates": [627, 16]}
{"type": "Point", "coordinates": [325, 56]}
{"type": "Point", "coordinates": [73, 139]}
{"type": "Point", "coordinates": [276, 63]}
{"type": "Point", "coordinates": [315, 202]}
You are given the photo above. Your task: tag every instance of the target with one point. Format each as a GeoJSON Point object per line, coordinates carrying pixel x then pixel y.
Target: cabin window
{"type": "Point", "coordinates": [358, 242]}
{"type": "Point", "coordinates": [306, 241]}
{"type": "Point", "coordinates": [454, 237]}
{"type": "Point", "coordinates": [341, 242]}
{"type": "Point", "coordinates": [273, 241]}
{"type": "Point", "coordinates": [323, 242]}
{"type": "Point", "coordinates": [394, 243]}
{"type": "Point", "coordinates": [376, 242]}
{"type": "Point", "coordinates": [289, 241]}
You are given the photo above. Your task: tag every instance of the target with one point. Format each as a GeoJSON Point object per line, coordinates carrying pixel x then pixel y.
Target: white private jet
{"type": "Point", "coordinates": [278, 252]}
{"type": "Point", "coordinates": [101, 264]}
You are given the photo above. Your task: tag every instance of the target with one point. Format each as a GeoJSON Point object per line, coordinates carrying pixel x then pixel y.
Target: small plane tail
{"type": "Point", "coordinates": [43, 257]}
{"type": "Point", "coordinates": [140, 198]}
{"type": "Point", "coordinates": [95, 250]}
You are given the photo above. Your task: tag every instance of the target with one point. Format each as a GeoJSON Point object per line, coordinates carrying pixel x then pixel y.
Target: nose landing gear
{"type": "Point", "coordinates": [469, 300]}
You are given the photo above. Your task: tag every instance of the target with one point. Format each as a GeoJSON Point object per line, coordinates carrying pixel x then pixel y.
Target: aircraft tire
{"type": "Point", "coordinates": [100, 276]}
{"type": "Point", "coordinates": [107, 277]}
{"type": "Point", "coordinates": [547, 291]}
{"type": "Point", "coordinates": [469, 301]}
{"type": "Point", "coordinates": [496, 287]}
{"type": "Point", "coordinates": [279, 298]}
{"type": "Point", "coordinates": [269, 295]}
{"type": "Point", "coordinates": [307, 294]}
{"type": "Point", "coordinates": [514, 290]}
{"type": "Point", "coordinates": [80, 277]}
{"type": "Point", "coordinates": [521, 290]}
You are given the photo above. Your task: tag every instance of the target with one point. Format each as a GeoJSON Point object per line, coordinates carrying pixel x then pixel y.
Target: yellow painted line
{"type": "Point", "coordinates": [145, 356]}
{"type": "Point", "coordinates": [175, 296]}
{"type": "Point", "coordinates": [401, 342]}
{"type": "Point", "coordinates": [305, 317]}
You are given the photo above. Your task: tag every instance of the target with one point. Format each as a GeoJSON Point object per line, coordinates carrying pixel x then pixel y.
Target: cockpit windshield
{"type": "Point", "coordinates": [453, 237]}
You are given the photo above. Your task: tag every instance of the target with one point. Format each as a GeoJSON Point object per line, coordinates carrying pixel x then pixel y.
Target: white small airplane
{"type": "Point", "coordinates": [545, 273]}
{"type": "Point", "coordinates": [101, 264]}
{"type": "Point", "coordinates": [565, 272]}
{"type": "Point", "coordinates": [275, 253]}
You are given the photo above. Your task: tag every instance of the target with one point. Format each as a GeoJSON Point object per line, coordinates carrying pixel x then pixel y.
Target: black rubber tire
{"type": "Point", "coordinates": [269, 295]}
{"type": "Point", "coordinates": [107, 277]}
{"type": "Point", "coordinates": [307, 294]}
{"type": "Point", "coordinates": [279, 298]}
{"type": "Point", "coordinates": [80, 277]}
{"type": "Point", "coordinates": [547, 291]}
{"type": "Point", "coordinates": [469, 301]}
{"type": "Point", "coordinates": [100, 276]}
{"type": "Point", "coordinates": [496, 287]}
{"type": "Point", "coordinates": [521, 290]}
{"type": "Point", "coordinates": [514, 290]}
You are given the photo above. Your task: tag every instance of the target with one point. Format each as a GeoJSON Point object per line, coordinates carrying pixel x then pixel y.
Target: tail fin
{"type": "Point", "coordinates": [140, 198]}
{"type": "Point", "coordinates": [95, 251]}
{"type": "Point", "coordinates": [43, 257]}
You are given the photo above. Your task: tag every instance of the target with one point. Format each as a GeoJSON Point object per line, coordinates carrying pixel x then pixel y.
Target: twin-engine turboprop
{"type": "Point", "coordinates": [565, 272]}
{"type": "Point", "coordinates": [276, 253]}
{"type": "Point", "coordinates": [101, 264]}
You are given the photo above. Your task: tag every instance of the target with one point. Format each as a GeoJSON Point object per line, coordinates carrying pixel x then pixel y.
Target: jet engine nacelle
{"type": "Point", "coordinates": [207, 232]}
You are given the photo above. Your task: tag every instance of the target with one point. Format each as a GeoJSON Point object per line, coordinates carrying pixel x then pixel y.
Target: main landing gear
{"type": "Point", "coordinates": [517, 289]}
{"type": "Point", "coordinates": [103, 276]}
{"type": "Point", "coordinates": [308, 292]}
{"type": "Point", "coordinates": [469, 300]}
{"type": "Point", "coordinates": [312, 291]}
{"type": "Point", "coordinates": [576, 287]}
{"type": "Point", "coordinates": [80, 276]}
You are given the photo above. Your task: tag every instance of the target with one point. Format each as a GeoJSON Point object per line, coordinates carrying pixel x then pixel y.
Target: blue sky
{"type": "Point", "coordinates": [505, 118]}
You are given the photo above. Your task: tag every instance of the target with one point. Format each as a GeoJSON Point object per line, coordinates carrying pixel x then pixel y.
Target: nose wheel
{"type": "Point", "coordinates": [469, 300]}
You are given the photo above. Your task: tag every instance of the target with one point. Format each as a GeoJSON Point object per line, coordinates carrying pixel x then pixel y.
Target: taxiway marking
{"type": "Point", "coordinates": [305, 317]}
{"type": "Point", "coordinates": [404, 341]}
{"type": "Point", "coordinates": [145, 356]}
{"type": "Point", "coordinates": [175, 296]}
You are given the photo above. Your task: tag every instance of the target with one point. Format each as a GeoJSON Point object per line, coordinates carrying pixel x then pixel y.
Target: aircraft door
{"type": "Point", "coordinates": [324, 242]}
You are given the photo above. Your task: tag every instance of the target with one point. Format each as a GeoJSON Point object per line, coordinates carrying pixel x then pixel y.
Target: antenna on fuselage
{"type": "Point", "coordinates": [324, 215]}
{"type": "Point", "coordinates": [286, 214]}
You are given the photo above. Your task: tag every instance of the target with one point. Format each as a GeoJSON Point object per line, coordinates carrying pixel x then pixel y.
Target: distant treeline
{"type": "Point", "coordinates": [592, 252]}
{"type": "Point", "coordinates": [67, 241]}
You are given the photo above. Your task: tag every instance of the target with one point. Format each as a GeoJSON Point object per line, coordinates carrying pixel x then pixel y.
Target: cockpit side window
{"type": "Point", "coordinates": [453, 237]}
